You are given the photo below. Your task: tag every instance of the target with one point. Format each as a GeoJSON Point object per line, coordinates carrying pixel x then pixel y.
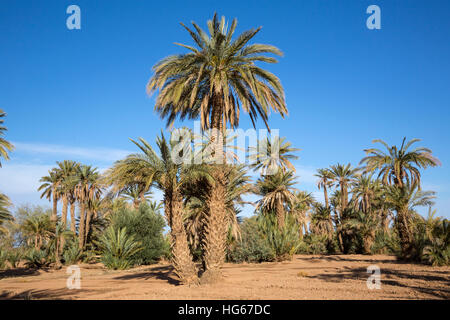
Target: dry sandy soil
{"type": "Point", "coordinates": [305, 277]}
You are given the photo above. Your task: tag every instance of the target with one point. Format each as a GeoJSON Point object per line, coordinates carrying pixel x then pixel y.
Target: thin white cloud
{"type": "Point", "coordinates": [100, 154]}
{"type": "Point", "coordinates": [21, 179]}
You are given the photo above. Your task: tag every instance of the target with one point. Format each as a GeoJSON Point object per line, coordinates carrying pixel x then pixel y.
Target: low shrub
{"type": "Point", "coordinates": [252, 247]}
{"type": "Point", "coordinates": [36, 259]}
{"type": "Point", "coordinates": [146, 226]}
{"type": "Point", "coordinates": [118, 248]}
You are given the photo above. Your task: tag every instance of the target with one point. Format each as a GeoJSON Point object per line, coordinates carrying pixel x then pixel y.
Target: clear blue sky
{"type": "Point", "coordinates": [80, 94]}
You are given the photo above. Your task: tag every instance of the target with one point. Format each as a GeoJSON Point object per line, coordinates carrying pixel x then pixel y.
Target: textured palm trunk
{"type": "Point", "coordinates": [64, 219]}
{"type": "Point", "coordinates": [215, 232]}
{"type": "Point", "coordinates": [181, 254]}
{"type": "Point", "coordinates": [404, 234]}
{"type": "Point", "coordinates": [215, 229]}
{"type": "Point", "coordinates": [279, 209]}
{"type": "Point", "coordinates": [88, 225]}
{"type": "Point", "coordinates": [72, 217]}
{"type": "Point", "coordinates": [325, 194]}
{"type": "Point", "coordinates": [54, 216]}
{"type": "Point", "coordinates": [81, 227]}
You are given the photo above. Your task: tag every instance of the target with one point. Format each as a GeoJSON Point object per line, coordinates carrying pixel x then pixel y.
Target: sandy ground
{"type": "Point", "coordinates": [305, 277]}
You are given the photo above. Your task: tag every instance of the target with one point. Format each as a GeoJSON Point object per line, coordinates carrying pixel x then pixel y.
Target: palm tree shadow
{"type": "Point", "coordinates": [394, 278]}
{"type": "Point", "coordinates": [162, 273]}
{"type": "Point", "coordinates": [47, 294]}
{"type": "Point", "coordinates": [19, 272]}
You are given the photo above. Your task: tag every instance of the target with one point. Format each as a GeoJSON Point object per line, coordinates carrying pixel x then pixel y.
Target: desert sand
{"type": "Point", "coordinates": [305, 277]}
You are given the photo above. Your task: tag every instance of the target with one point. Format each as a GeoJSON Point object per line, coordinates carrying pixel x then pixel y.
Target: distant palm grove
{"type": "Point", "coordinates": [111, 217]}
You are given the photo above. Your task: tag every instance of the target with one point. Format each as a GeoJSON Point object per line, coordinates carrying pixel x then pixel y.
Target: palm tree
{"type": "Point", "coordinates": [276, 191]}
{"type": "Point", "coordinates": [404, 200]}
{"type": "Point", "coordinates": [50, 190]}
{"type": "Point", "coordinates": [398, 165]}
{"type": "Point", "coordinates": [212, 82]}
{"type": "Point", "coordinates": [342, 177]}
{"type": "Point", "coordinates": [325, 181]}
{"type": "Point", "coordinates": [87, 188]}
{"type": "Point", "coordinates": [365, 224]}
{"type": "Point", "coordinates": [136, 193]}
{"type": "Point", "coordinates": [268, 157]}
{"type": "Point", "coordinates": [300, 207]}
{"type": "Point", "coordinates": [321, 221]}
{"type": "Point", "coordinates": [169, 177]}
{"type": "Point", "coordinates": [5, 215]}
{"type": "Point", "coordinates": [67, 170]}
{"type": "Point", "coordinates": [37, 228]}
{"type": "Point", "coordinates": [5, 146]}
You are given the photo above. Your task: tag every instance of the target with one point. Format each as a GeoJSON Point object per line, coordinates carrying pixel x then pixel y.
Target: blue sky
{"type": "Point", "coordinates": [80, 94]}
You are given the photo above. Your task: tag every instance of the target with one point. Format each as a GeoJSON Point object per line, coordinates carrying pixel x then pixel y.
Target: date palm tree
{"type": "Point", "coordinates": [87, 188]}
{"type": "Point", "coordinates": [50, 190]}
{"type": "Point", "coordinates": [169, 177]}
{"type": "Point", "coordinates": [269, 156]}
{"type": "Point", "coordinates": [342, 177]}
{"type": "Point", "coordinates": [276, 192]}
{"type": "Point", "coordinates": [213, 81]}
{"type": "Point", "coordinates": [399, 166]}
{"type": "Point", "coordinates": [325, 181]}
{"type": "Point", "coordinates": [67, 170]}
{"type": "Point", "coordinates": [300, 207]}
{"type": "Point", "coordinates": [404, 200]}
{"type": "Point", "coordinates": [5, 214]}
{"type": "Point", "coordinates": [5, 146]}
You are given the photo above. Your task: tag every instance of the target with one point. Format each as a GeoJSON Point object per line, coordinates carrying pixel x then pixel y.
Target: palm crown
{"type": "Point", "coordinates": [217, 78]}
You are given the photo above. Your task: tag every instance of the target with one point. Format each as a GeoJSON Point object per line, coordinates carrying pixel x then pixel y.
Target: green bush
{"type": "Point", "coordinates": [252, 247]}
{"type": "Point", "coordinates": [72, 253]}
{"type": "Point", "coordinates": [3, 259]}
{"type": "Point", "coordinates": [36, 259]}
{"type": "Point", "coordinates": [146, 226]}
{"type": "Point", "coordinates": [284, 242]}
{"type": "Point", "coordinates": [118, 248]}
{"type": "Point", "coordinates": [314, 244]}
{"type": "Point", "coordinates": [14, 257]}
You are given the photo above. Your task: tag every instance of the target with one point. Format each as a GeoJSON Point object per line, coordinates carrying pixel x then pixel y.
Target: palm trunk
{"type": "Point", "coordinates": [88, 225]}
{"type": "Point", "coordinates": [181, 254]}
{"type": "Point", "coordinates": [215, 228]}
{"type": "Point", "coordinates": [72, 217]}
{"type": "Point", "coordinates": [64, 219]}
{"type": "Point", "coordinates": [54, 216]}
{"type": "Point", "coordinates": [404, 235]}
{"type": "Point", "coordinates": [279, 209]}
{"type": "Point", "coordinates": [81, 227]}
{"type": "Point", "coordinates": [325, 193]}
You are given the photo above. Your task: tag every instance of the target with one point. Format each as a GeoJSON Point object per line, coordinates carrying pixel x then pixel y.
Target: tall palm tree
{"type": "Point", "coordinates": [67, 170]}
{"type": "Point", "coordinates": [212, 82]}
{"type": "Point", "coordinates": [321, 221]}
{"type": "Point", "coordinates": [87, 188]}
{"type": "Point", "coordinates": [169, 177]}
{"type": "Point", "coordinates": [300, 207]}
{"type": "Point", "coordinates": [5, 146]}
{"type": "Point", "coordinates": [398, 166]}
{"type": "Point", "coordinates": [366, 193]}
{"type": "Point", "coordinates": [50, 189]}
{"type": "Point", "coordinates": [268, 157]}
{"type": "Point", "coordinates": [276, 192]}
{"type": "Point", "coordinates": [404, 200]}
{"type": "Point", "coordinates": [325, 181]}
{"type": "Point", "coordinates": [136, 193]}
{"type": "Point", "coordinates": [342, 177]}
